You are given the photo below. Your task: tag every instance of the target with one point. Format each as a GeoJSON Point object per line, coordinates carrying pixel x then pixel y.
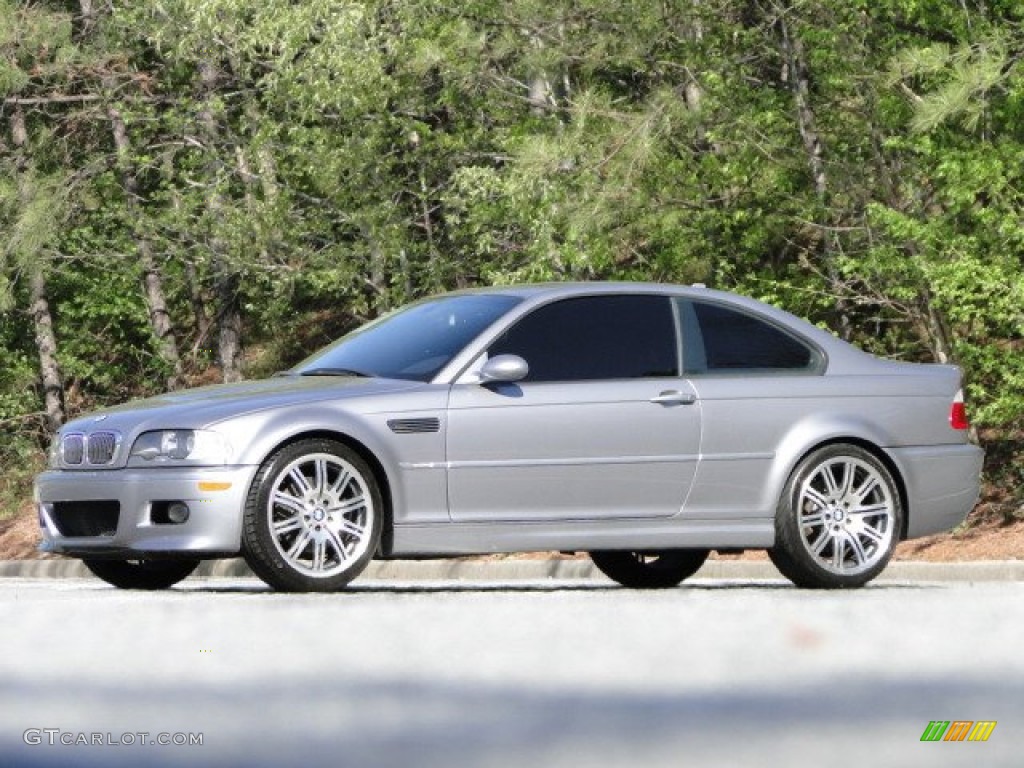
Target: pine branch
{"type": "Point", "coordinates": [38, 101]}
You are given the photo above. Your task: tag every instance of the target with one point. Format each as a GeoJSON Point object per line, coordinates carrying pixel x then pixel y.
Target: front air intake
{"type": "Point", "coordinates": [86, 518]}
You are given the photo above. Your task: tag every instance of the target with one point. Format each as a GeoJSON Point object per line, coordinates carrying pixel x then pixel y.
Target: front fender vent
{"type": "Point", "coordinates": [414, 426]}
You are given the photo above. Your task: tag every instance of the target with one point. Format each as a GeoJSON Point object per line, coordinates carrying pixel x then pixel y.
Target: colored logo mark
{"type": "Point", "coordinates": [958, 730]}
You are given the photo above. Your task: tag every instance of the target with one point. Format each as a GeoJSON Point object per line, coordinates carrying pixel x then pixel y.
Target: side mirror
{"type": "Point", "coordinates": [504, 369]}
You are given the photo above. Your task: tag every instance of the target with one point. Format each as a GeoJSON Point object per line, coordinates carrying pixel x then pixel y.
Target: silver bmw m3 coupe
{"type": "Point", "coordinates": [644, 424]}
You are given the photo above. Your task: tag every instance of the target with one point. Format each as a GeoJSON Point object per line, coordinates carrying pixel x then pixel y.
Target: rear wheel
{"type": "Point", "coordinates": [654, 569]}
{"type": "Point", "coordinates": [313, 517]}
{"type": "Point", "coordinates": [142, 574]}
{"type": "Point", "coordinates": [838, 520]}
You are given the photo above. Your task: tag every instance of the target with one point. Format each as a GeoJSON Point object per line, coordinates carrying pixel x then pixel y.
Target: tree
{"type": "Point", "coordinates": [37, 201]}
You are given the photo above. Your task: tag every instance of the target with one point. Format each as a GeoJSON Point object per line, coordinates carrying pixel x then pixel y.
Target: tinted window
{"type": "Point", "coordinates": [717, 338]}
{"type": "Point", "coordinates": [595, 337]}
{"type": "Point", "coordinates": [414, 342]}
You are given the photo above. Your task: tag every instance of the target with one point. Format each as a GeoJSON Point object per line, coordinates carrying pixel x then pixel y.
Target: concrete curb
{"type": "Point", "coordinates": [514, 569]}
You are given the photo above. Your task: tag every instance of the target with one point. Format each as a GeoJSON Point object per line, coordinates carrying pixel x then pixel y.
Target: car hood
{"type": "Point", "coordinates": [204, 406]}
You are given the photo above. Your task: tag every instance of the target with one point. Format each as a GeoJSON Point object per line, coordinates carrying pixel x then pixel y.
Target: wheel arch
{"type": "Point", "coordinates": [875, 450]}
{"type": "Point", "coordinates": [366, 454]}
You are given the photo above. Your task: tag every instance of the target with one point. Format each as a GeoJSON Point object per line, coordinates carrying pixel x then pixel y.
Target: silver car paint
{"type": "Point", "coordinates": [215, 526]}
{"type": "Point", "coordinates": [509, 471]}
{"type": "Point", "coordinates": [620, 453]}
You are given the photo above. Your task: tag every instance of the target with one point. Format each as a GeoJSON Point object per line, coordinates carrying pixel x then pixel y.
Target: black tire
{"type": "Point", "coordinates": [142, 574]}
{"type": "Point", "coordinates": [839, 519]}
{"type": "Point", "coordinates": [313, 517]}
{"type": "Point", "coordinates": [655, 569]}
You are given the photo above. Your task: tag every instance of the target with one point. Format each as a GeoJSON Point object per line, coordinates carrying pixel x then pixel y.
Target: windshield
{"type": "Point", "coordinates": [414, 342]}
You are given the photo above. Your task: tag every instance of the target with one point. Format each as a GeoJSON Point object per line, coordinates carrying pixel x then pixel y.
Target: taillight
{"type": "Point", "coordinates": [958, 412]}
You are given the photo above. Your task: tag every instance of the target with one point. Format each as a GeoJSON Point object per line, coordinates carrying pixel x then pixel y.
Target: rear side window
{"type": "Point", "coordinates": [718, 339]}
{"type": "Point", "coordinates": [595, 337]}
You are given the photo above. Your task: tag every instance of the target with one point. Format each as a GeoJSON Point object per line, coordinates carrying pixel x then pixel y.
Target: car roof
{"type": "Point", "coordinates": [576, 288]}
{"type": "Point", "coordinates": [840, 354]}
{"type": "Point", "coordinates": [541, 292]}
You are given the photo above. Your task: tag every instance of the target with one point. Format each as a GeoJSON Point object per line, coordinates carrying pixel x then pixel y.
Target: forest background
{"type": "Point", "coordinates": [194, 191]}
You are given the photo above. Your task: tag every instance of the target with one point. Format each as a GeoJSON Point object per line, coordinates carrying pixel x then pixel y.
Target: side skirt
{"type": "Point", "coordinates": [442, 539]}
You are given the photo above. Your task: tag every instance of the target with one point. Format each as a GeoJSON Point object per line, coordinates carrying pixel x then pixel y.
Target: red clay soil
{"type": "Point", "coordinates": [984, 538]}
{"type": "Point", "coordinates": [19, 536]}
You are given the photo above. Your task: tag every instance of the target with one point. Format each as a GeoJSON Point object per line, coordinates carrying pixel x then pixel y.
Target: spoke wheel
{"type": "Point", "coordinates": [142, 574]}
{"type": "Point", "coordinates": [657, 569]}
{"type": "Point", "coordinates": [313, 517]}
{"type": "Point", "coordinates": [839, 519]}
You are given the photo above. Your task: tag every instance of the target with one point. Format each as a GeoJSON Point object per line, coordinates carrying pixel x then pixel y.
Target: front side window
{"type": "Point", "coordinates": [595, 337]}
{"type": "Point", "coordinates": [720, 339]}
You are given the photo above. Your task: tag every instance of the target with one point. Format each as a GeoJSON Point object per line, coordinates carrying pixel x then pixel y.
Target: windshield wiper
{"type": "Point", "coordinates": [335, 372]}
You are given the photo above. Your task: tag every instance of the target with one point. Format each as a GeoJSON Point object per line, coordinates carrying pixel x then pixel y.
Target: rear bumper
{"type": "Point", "coordinates": [213, 528]}
{"type": "Point", "coordinates": [943, 483]}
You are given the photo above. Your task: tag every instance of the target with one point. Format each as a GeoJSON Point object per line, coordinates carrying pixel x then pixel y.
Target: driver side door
{"type": "Point", "coordinates": [603, 426]}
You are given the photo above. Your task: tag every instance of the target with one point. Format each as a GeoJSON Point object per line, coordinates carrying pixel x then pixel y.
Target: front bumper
{"type": "Point", "coordinates": [214, 526]}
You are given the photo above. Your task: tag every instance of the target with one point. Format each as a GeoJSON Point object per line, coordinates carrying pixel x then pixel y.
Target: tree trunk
{"type": "Point", "coordinates": [375, 281]}
{"type": "Point", "coordinates": [693, 94]}
{"type": "Point", "coordinates": [540, 91]}
{"type": "Point", "coordinates": [228, 316]}
{"type": "Point", "coordinates": [152, 279]}
{"type": "Point", "coordinates": [39, 305]}
{"type": "Point", "coordinates": [86, 19]}
{"type": "Point", "coordinates": [46, 343]}
{"type": "Point", "coordinates": [540, 95]}
{"type": "Point", "coordinates": [799, 84]}
{"type": "Point", "coordinates": [939, 335]}
{"type": "Point", "coordinates": [798, 79]}
{"type": "Point", "coordinates": [198, 302]}
{"type": "Point", "coordinates": [229, 323]}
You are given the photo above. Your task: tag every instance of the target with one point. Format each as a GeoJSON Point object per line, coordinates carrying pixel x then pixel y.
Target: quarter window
{"type": "Point", "coordinates": [595, 337]}
{"type": "Point", "coordinates": [721, 339]}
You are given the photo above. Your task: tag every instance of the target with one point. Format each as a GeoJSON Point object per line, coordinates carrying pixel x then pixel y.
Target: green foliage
{"type": "Point", "coordinates": [337, 158]}
{"type": "Point", "coordinates": [22, 436]}
{"type": "Point", "coordinates": [966, 76]}
{"type": "Point", "coordinates": [35, 45]}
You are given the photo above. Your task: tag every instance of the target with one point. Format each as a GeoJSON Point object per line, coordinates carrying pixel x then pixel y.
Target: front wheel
{"type": "Point", "coordinates": [142, 574]}
{"type": "Point", "coordinates": [658, 569]}
{"type": "Point", "coordinates": [313, 517]}
{"type": "Point", "coordinates": [838, 520]}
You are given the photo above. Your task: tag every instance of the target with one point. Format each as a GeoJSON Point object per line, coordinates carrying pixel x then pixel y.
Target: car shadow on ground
{"type": "Point", "coordinates": [371, 587]}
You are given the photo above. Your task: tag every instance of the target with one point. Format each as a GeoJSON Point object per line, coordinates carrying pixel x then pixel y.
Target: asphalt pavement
{"type": "Point", "coordinates": [502, 670]}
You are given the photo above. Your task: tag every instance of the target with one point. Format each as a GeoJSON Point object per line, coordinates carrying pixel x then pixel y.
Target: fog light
{"type": "Point", "coordinates": [177, 512]}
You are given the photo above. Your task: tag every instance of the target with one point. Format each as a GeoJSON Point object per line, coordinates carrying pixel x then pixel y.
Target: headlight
{"type": "Point", "coordinates": [194, 446]}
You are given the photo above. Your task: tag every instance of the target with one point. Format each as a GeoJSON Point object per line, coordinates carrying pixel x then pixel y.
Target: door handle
{"type": "Point", "coordinates": [674, 397]}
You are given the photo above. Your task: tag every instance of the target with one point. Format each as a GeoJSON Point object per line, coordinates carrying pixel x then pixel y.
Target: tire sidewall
{"type": "Point", "coordinates": [258, 545]}
{"type": "Point", "coordinates": [790, 552]}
